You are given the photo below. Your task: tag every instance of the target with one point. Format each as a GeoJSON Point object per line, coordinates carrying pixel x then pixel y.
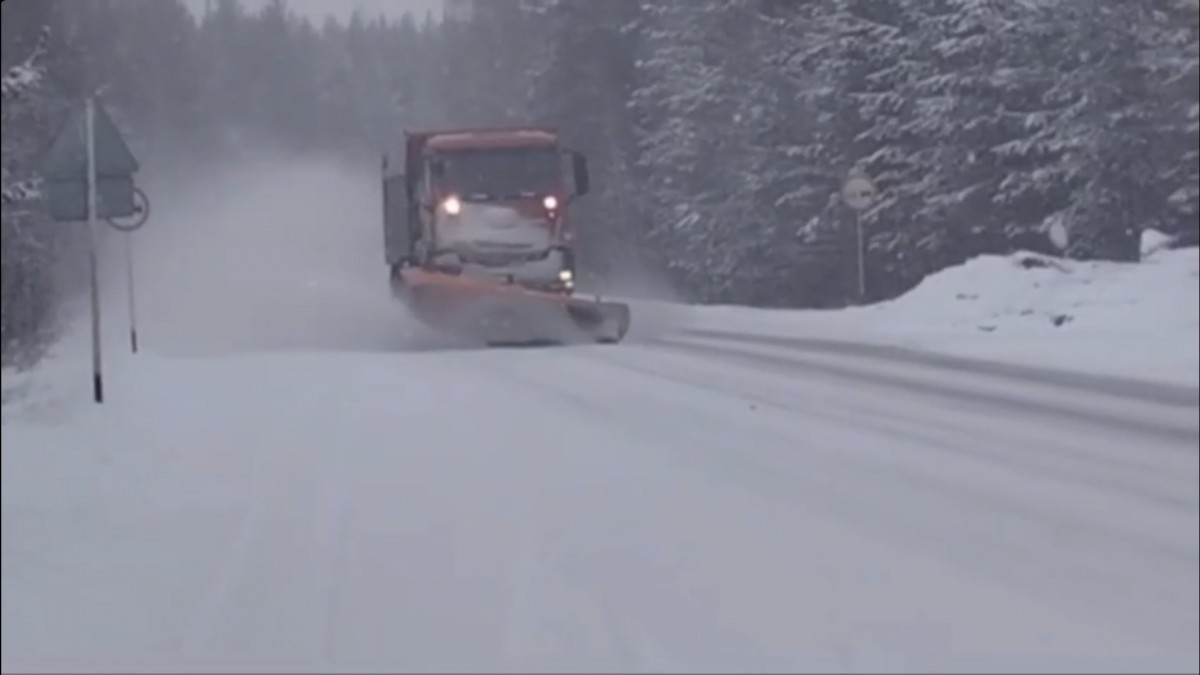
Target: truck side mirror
{"type": "Point", "coordinates": [579, 166]}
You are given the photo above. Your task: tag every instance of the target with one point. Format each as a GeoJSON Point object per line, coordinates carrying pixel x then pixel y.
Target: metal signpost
{"type": "Point", "coordinates": [142, 207]}
{"type": "Point", "coordinates": [859, 194]}
{"type": "Point", "coordinates": [1059, 235]}
{"type": "Point", "coordinates": [88, 175]}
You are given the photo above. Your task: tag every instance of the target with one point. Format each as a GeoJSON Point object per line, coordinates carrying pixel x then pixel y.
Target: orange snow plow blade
{"type": "Point", "coordinates": [500, 313]}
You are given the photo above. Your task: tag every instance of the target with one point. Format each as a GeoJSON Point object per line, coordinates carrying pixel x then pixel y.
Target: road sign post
{"type": "Point", "coordinates": [88, 174]}
{"type": "Point", "coordinates": [93, 255]}
{"type": "Point", "coordinates": [859, 194]}
{"type": "Point", "coordinates": [131, 295]}
{"type": "Point", "coordinates": [128, 229]}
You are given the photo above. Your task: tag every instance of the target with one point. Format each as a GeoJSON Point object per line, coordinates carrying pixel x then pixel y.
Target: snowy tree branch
{"type": "Point", "coordinates": [23, 76]}
{"type": "Point", "coordinates": [20, 191]}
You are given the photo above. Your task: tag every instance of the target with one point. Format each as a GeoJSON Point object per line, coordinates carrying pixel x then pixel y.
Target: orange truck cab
{"type": "Point", "coordinates": [485, 202]}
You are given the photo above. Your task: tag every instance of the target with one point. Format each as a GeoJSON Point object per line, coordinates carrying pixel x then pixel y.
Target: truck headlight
{"type": "Point", "coordinates": [452, 205]}
{"type": "Point", "coordinates": [566, 276]}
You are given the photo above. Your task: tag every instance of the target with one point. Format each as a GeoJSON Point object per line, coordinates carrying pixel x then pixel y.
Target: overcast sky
{"type": "Point", "coordinates": [317, 10]}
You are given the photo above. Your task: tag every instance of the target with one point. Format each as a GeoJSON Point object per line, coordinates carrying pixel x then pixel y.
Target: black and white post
{"type": "Point", "coordinates": [859, 194]}
{"type": "Point", "coordinates": [141, 211]}
{"type": "Point", "coordinates": [132, 297]}
{"type": "Point", "coordinates": [93, 244]}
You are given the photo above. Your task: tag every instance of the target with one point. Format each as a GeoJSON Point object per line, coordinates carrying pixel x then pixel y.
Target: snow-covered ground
{"type": "Point", "coordinates": [289, 477]}
{"type": "Point", "coordinates": [629, 509]}
{"type": "Point", "coordinates": [1135, 320]}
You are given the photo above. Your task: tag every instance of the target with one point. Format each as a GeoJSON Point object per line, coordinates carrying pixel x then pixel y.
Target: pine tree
{"type": "Point", "coordinates": [1089, 168]}
{"type": "Point", "coordinates": [1174, 58]}
{"type": "Point", "coordinates": [671, 102]}
{"type": "Point", "coordinates": [581, 80]}
{"type": "Point", "coordinates": [18, 87]}
{"type": "Point", "coordinates": [28, 247]}
{"type": "Point", "coordinates": [966, 92]}
{"type": "Point", "coordinates": [486, 51]}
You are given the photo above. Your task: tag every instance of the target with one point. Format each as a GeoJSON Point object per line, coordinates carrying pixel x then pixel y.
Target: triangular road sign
{"type": "Point", "coordinates": [67, 157]}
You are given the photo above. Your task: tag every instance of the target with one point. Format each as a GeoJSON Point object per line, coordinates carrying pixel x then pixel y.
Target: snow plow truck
{"type": "Point", "coordinates": [478, 238]}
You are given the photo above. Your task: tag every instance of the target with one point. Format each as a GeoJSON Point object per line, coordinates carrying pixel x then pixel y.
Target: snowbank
{"type": "Point", "coordinates": [1135, 320]}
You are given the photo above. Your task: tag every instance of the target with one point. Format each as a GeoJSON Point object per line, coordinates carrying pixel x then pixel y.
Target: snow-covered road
{"type": "Point", "coordinates": [695, 505]}
{"type": "Point", "coordinates": [288, 479]}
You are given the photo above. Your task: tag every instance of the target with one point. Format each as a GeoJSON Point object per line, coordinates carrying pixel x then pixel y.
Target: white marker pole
{"type": "Point", "coordinates": [93, 255]}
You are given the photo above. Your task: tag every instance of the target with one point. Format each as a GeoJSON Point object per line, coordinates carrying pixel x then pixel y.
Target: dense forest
{"type": "Point", "coordinates": [719, 131]}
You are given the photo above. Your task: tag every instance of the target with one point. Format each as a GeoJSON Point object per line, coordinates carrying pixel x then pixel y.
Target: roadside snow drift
{"type": "Point", "coordinates": [1132, 319]}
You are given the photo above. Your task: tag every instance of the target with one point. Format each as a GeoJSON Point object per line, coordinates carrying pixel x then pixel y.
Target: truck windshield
{"type": "Point", "coordinates": [501, 173]}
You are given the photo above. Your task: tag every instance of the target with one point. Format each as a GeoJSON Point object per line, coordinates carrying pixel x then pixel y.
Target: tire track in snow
{"type": "Point", "coordinates": [1065, 445]}
{"type": "Point", "coordinates": [1183, 435]}
{"type": "Point", "coordinates": [641, 648]}
{"type": "Point", "coordinates": [1116, 386]}
{"type": "Point", "coordinates": [538, 630]}
{"type": "Point", "coordinates": [938, 444]}
{"type": "Point", "coordinates": [1040, 541]}
{"type": "Point", "coordinates": [331, 541]}
{"type": "Point", "coordinates": [328, 545]}
{"type": "Point", "coordinates": [204, 619]}
{"type": "Point", "coordinates": [941, 435]}
{"type": "Point", "coordinates": [605, 645]}
{"type": "Point", "coordinates": [633, 644]}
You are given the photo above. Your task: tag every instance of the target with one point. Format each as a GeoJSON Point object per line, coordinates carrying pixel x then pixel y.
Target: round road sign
{"type": "Point", "coordinates": [141, 214]}
{"type": "Point", "coordinates": [859, 193]}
